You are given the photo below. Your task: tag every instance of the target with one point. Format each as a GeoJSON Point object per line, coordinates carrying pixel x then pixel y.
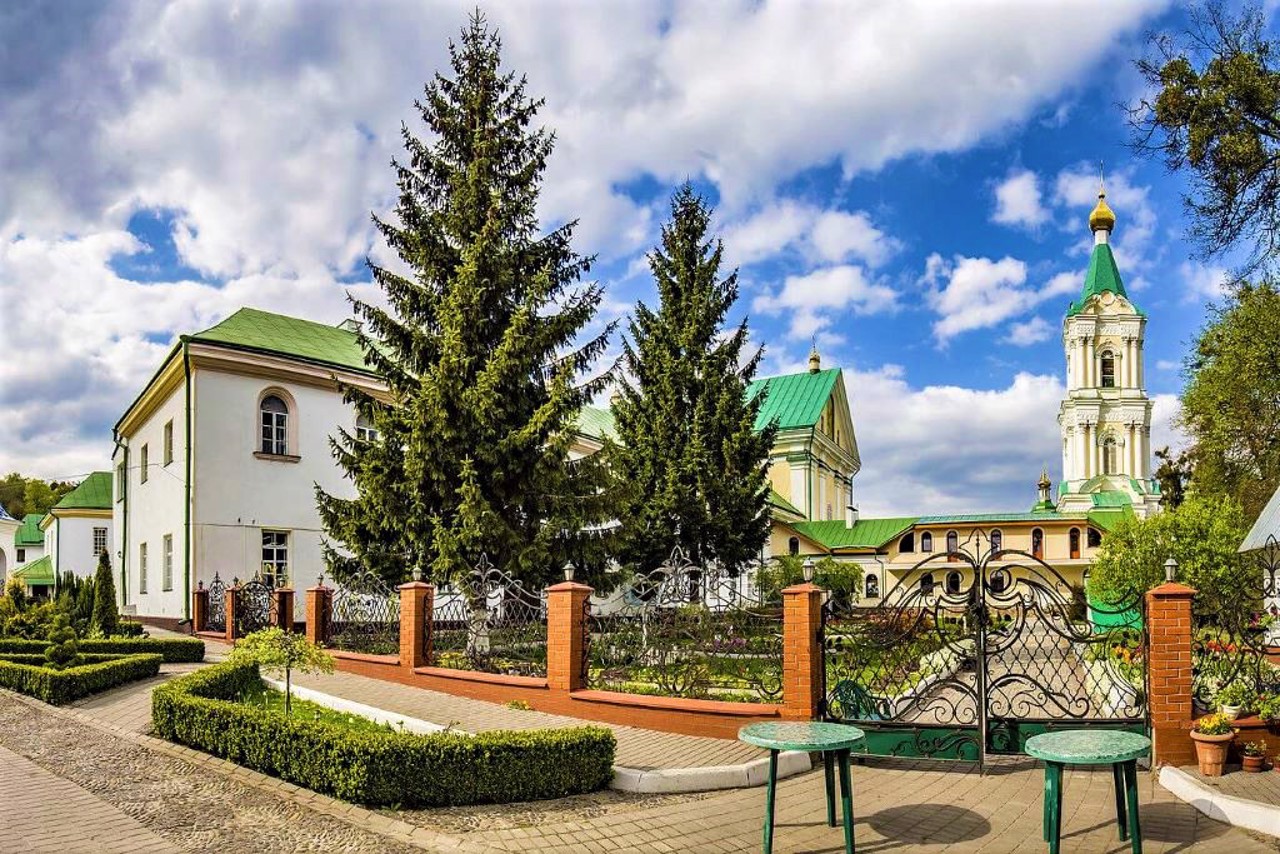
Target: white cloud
{"type": "Point", "coordinates": [811, 298]}
{"type": "Point", "coordinates": [1018, 201]}
{"type": "Point", "coordinates": [1203, 283]}
{"type": "Point", "coordinates": [1166, 365]}
{"type": "Point", "coordinates": [1033, 331]}
{"type": "Point", "coordinates": [978, 293]}
{"type": "Point", "coordinates": [817, 235]}
{"type": "Point", "coordinates": [1133, 242]}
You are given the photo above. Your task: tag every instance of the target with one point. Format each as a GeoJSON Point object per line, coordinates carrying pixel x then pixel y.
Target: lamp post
{"type": "Point", "coordinates": [568, 571]}
{"type": "Point", "coordinates": [1170, 570]}
{"type": "Point", "coordinates": [807, 570]}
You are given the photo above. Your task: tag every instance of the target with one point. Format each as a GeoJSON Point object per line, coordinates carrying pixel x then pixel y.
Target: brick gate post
{"type": "Point", "coordinates": [1169, 689]}
{"type": "Point", "coordinates": [199, 608]}
{"type": "Point", "coordinates": [567, 635]}
{"type": "Point", "coordinates": [233, 603]}
{"type": "Point", "coordinates": [319, 612]}
{"type": "Point", "coordinates": [415, 623]}
{"type": "Point", "coordinates": [282, 608]}
{"type": "Point", "coordinates": [802, 660]}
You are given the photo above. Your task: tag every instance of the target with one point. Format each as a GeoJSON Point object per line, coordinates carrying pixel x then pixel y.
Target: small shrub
{"type": "Point", "coordinates": [130, 629]}
{"type": "Point", "coordinates": [275, 650]}
{"type": "Point", "coordinates": [63, 650]}
{"type": "Point", "coordinates": [520, 705]}
{"type": "Point", "coordinates": [1215, 724]}
{"type": "Point", "coordinates": [1254, 748]}
{"type": "Point", "coordinates": [57, 687]}
{"type": "Point", "coordinates": [105, 614]}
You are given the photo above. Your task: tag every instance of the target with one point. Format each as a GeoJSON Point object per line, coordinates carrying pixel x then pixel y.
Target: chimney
{"type": "Point", "coordinates": [350, 325]}
{"type": "Point", "coordinates": [850, 516]}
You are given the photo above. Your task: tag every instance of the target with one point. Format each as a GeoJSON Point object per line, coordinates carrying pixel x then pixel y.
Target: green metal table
{"type": "Point", "coordinates": [832, 741]}
{"type": "Point", "coordinates": [1120, 750]}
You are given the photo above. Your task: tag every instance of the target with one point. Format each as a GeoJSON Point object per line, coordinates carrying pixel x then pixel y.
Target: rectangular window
{"type": "Point", "coordinates": [142, 568]}
{"type": "Point", "coordinates": [166, 580]}
{"type": "Point", "coordinates": [120, 482]}
{"type": "Point", "coordinates": [99, 541]}
{"type": "Point", "coordinates": [142, 464]}
{"type": "Point", "coordinates": [168, 442]}
{"type": "Point", "coordinates": [275, 558]}
{"type": "Point", "coordinates": [22, 555]}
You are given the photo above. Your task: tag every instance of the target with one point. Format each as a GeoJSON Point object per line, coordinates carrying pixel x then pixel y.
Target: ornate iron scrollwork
{"type": "Point", "coordinates": [215, 619]}
{"type": "Point", "coordinates": [365, 616]}
{"type": "Point", "coordinates": [255, 606]}
{"type": "Point", "coordinates": [489, 621]}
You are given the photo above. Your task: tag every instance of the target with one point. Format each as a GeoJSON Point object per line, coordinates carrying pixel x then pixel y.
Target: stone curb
{"type": "Point", "coordinates": [356, 816]}
{"type": "Point", "coordinates": [1252, 815]}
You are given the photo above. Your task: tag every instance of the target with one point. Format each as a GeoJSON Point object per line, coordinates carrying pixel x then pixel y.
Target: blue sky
{"type": "Point", "coordinates": [905, 182]}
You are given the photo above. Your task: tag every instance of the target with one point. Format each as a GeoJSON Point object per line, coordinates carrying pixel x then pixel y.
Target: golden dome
{"type": "Point", "coordinates": [1102, 216]}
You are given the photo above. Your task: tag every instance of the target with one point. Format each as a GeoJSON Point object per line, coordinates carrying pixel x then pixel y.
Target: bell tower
{"type": "Point", "coordinates": [1105, 418]}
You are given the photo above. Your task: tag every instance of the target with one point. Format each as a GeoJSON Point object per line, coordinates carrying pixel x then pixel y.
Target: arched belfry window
{"type": "Point", "coordinates": [1108, 369]}
{"type": "Point", "coordinates": [997, 540]}
{"type": "Point", "coordinates": [274, 413]}
{"type": "Point", "coordinates": [926, 583]}
{"type": "Point", "coordinates": [873, 587]}
{"type": "Point", "coordinates": [953, 543]}
{"type": "Point", "coordinates": [926, 542]}
{"type": "Point", "coordinates": [793, 546]}
{"type": "Point", "coordinates": [908, 543]}
{"type": "Point", "coordinates": [1109, 455]}
{"type": "Point", "coordinates": [1037, 543]}
{"type": "Point", "coordinates": [953, 583]}
{"type": "Point", "coordinates": [1075, 542]}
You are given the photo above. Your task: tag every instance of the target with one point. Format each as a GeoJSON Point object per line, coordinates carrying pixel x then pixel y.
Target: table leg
{"type": "Point", "coordinates": [1047, 818]}
{"type": "Point", "coordinates": [1117, 778]}
{"type": "Point", "coordinates": [846, 799]}
{"type": "Point", "coordinates": [1131, 793]}
{"type": "Point", "coordinates": [769, 794]}
{"type": "Point", "coordinates": [829, 773]}
{"type": "Point", "coordinates": [1053, 771]}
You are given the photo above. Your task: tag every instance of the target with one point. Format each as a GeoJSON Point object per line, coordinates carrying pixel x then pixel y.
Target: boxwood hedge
{"type": "Point", "coordinates": [172, 649]}
{"type": "Point", "coordinates": [63, 686]}
{"type": "Point", "coordinates": [391, 768]}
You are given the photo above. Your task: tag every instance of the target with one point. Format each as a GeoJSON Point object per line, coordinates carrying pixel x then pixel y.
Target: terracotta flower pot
{"type": "Point", "coordinates": [1211, 751]}
{"type": "Point", "coordinates": [1252, 764]}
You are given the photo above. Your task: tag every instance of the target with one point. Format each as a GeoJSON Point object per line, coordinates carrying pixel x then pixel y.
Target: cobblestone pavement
{"type": "Point", "coordinates": [1263, 787]}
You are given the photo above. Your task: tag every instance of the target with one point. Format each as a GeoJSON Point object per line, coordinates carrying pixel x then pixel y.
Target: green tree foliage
{"type": "Point", "coordinates": [477, 346]}
{"type": "Point", "coordinates": [276, 651]}
{"type": "Point", "coordinates": [75, 599]}
{"type": "Point", "coordinates": [106, 617]}
{"type": "Point", "coordinates": [63, 650]}
{"type": "Point", "coordinates": [1216, 115]}
{"type": "Point", "coordinates": [842, 578]}
{"type": "Point", "coordinates": [1202, 535]}
{"type": "Point", "coordinates": [22, 495]}
{"type": "Point", "coordinates": [1231, 402]}
{"type": "Point", "coordinates": [692, 466]}
{"type": "Point", "coordinates": [1173, 473]}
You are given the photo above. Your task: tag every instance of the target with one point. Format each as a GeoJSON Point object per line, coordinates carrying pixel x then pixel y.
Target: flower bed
{"type": "Point", "coordinates": [378, 768]}
{"type": "Point", "coordinates": [171, 649]}
{"type": "Point", "coordinates": [24, 673]}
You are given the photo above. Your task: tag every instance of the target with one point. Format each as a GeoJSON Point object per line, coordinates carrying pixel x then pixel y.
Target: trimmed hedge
{"type": "Point", "coordinates": [129, 629]}
{"type": "Point", "coordinates": [57, 687]}
{"type": "Point", "coordinates": [447, 769]}
{"type": "Point", "coordinates": [41, 661]}
{"type": "Point", "coordinates": [172, 649]}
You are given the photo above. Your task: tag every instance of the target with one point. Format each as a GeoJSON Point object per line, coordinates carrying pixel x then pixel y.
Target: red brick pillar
{"type": "Point", "coordinates": [415, 623]}
{"type": "Point", "coordinates": [1169, 673]}
{"type": "Point", "coordinates": [282, 608]}
{"type": "Point", "coordinates": [199, 608]}
{"type": "Point", "coordinates": [802, 661]}
{"type": "Point", "coordinates": [567, 636]}
{"type": "Point", "coordinates": [233, 602]}
{"type": "Point", "coordinates": [319, 611]}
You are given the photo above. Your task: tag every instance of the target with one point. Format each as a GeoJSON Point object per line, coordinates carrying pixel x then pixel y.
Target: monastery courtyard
{"type": "Point", "coordinates": [162, 797]}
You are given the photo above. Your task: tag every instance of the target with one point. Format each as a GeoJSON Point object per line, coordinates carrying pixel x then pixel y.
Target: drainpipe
{"type": "Point", "coordinates": [186, 486]}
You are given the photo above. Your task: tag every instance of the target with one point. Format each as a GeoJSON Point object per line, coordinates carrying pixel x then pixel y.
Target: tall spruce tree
{"type": "Point", "coordinates": [477, 347]}
{"type": "Point", "coordinates": [692, 465]}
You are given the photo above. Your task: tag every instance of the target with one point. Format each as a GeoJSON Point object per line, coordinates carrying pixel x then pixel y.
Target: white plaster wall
{"type": "Point", "coordinates": [8, 552]}
{"type": "Point", "coordinates": [30, 553]}
{"type": "Point", "coordinates": [155, 508]}
{"type": "Point", "coordinates": [70, 543]}
{"type": "Point", "coordinates": [237, 495]}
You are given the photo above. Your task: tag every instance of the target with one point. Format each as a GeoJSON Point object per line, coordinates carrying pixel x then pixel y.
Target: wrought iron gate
{"type": "Point", "coordinates": [970, 652]}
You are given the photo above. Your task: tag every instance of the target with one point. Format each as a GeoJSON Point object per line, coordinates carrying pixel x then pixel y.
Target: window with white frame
{"type": "Point", "coordinates": [99, 541]}
{"type": "Point", "coordinates": [142, 464]}
{"type": "Point", "coordinates": [22, 555]}
{"type": "Point", "coordinates": [168, 441]}
{"type": "Point", "coordinates": [365, 431]}
{"type": "Point", "coordinates": [120, 482]}
{"type": "Point", "coordinates": [166, 577]}
{"type": "Point", "coordinates": [142, 568]}
{"type": "Point", "coordinates": [275, 558]}
{"type": "Point", "coordinates": [275, 425]}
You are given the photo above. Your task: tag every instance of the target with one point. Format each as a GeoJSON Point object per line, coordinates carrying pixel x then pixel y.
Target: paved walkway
{"type": "Point", "coordinates": [1263, 787]}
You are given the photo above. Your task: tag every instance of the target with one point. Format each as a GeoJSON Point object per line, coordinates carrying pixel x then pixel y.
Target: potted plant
{"type": "Point", "coordinates": [1234, 699]}
{"type": "Point", "coordinates": [1254, 753]}
{"type": "Point", "coordinates": [1212, 735]}
{"type": "Point", "coordinates": [1269, 707]}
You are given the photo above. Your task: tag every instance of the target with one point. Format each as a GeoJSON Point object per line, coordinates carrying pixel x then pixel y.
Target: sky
{"type": "Point", "coordinates": [904, 183]}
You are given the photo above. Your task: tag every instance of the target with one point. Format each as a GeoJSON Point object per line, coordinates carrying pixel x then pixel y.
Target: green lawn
{"type": "Point", "coordinates": [269, 698]}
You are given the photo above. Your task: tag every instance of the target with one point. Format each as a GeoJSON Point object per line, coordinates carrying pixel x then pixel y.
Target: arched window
{"type": "Point", "coordinates": [953, 582]}
{"type": "Point", "coordinates": [953, 544]}
{"type": "Point", "coordinates": [1000, 580]}
{"type": "Point", "coordinates": [926, 542]}
{"type": "Point", "coordinates": [926, 583]}
{"type": "Point", "coordinates": [1108, 369]}
{"type": "Point", "coordinates": [793, 546]}
{"type": "Point", "coordinates": [1075, 542]}
{"type": "Point", "coordinates": [1094, 538]}
{"type": "Point", "coordinates": [275, 425]}
{"type": "Point", "coordinates": [365, 431]}
{"type": "Point", "coordinates": [873, 587]}
{"type": "Point", "coordinates": [907, 543]}
{"type": "Point", "coordinates": [997, 540]}
{"type": "Point", "coordinates": [1037, 543]}
{"type": "Point", "coordinates": [1109, 455]}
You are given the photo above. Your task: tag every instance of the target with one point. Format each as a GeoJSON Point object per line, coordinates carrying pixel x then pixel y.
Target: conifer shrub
{"type": "Point", "coordinates": [105, 615]}
{"type": "Point", "coordinates": [63, 649]}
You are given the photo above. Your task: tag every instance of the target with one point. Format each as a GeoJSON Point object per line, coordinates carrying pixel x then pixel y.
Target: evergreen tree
{"type": "Point", "coordinates": [691, 462]}
{"type": "Point", "coordinates": [106, 618]}
{"type": "Point", "coordinates": [477, 347]}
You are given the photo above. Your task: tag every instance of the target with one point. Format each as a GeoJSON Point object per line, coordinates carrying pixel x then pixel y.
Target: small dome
{"type": "Point", "coordinates": [1102, 217]}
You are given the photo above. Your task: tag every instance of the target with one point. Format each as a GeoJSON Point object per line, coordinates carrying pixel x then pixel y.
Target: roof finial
{"type": "Point", "coordinates": [1103, 220]}
{"type": "Point", "coordinates": [815, 361]}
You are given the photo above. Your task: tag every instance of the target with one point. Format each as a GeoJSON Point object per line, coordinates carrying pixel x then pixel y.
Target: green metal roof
{"type": "Point", "coordinates": [30, 534]}
{"type": "Point", "coordinates": [776, 499]}
{"type": "Point", "coordinates": [39, 571]}
{"type": "Point", "coordinates": [597, 423]}
{"type": "Point", "coordinates": [865, 533]}
{"type": "Point", "coordinates": [1111, 498]}
{"type": "Point", "coordinates": [263, 331]}
{"type": "Point", "coordinates": [795, 400]}
{"type": "Point", "coordinates": [93, 493]}
{"type": "Point", "coordinates": [1103, 276]}
{"type": "Point", "coordinates": [1108, 518]}
{"type": "Point", "coordinates": [969, 518]}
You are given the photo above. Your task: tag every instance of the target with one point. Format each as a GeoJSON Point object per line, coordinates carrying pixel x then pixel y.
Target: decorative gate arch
{"type": "Point", "coordinates": [976, 665]}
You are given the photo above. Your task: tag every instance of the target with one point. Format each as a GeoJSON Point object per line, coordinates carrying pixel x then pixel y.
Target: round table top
{"type": "Point", "coordinates": [1088, 746]}
{"type": "Point", "coordinates": [812, 736]}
